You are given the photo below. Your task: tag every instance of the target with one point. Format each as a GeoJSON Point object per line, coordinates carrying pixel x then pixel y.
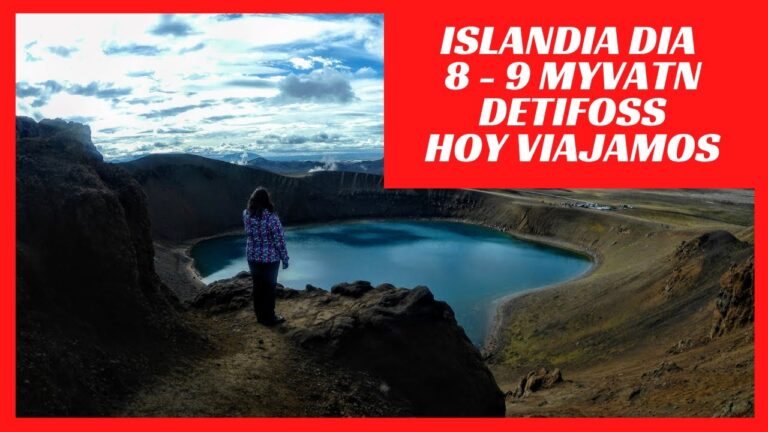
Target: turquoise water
{"type": "Point", "coordinates": [465, 265]}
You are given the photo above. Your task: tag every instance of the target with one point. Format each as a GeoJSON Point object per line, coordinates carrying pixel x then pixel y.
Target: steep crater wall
{"type": "Point", "coordinates": [191, 197]}
{"type": "Point", "coordinates": [92, 315]}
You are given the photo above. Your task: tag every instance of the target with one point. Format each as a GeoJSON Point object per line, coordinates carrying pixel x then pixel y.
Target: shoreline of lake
{"type": "Point", "coordinates": [495, 321]}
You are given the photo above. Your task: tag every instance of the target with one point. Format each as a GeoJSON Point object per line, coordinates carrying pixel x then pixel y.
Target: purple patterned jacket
{"type": "Point", "coordinates": [266, 240]}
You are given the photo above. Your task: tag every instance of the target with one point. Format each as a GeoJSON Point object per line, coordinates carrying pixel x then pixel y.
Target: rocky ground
{"type": "Point", "coordinates": [256, 371]}
{"type": "Point", "coordinates": [354, 351]}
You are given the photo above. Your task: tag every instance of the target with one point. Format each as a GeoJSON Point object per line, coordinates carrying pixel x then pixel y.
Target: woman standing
{"type": "Point", "coordinates": [265, 249]}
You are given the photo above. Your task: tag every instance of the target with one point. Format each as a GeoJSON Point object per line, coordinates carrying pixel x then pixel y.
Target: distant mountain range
{"type": "Point", "coordinates": [308, 166]}
{"type": "Point", "coordinates": [292, 165]}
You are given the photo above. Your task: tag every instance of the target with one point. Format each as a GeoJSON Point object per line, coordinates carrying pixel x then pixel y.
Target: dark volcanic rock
{"type": "Point", "coordinates": [403, 337]}
{"type": "Point", "coordinates": [92, 315]}
{"type": "Point", "coordinates": [311, 288]}
{"type": "Point", "coordinates": [712, 245]}
{"type": "Point", "coordinates": [355, 289]}
{"type": "Point", "coordinates": [231, 294]}
{"type": "Point", "coordinates": [699, 262]}
{"type": "Point", "coordinates": [74, 138]}
{"type": "Point", "coordinates": [735, 305]}
{"type": "Point", "coordinates": [535, 381]}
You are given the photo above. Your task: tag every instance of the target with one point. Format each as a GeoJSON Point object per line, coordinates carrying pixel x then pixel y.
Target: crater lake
{"type": "Point", "coordinates": [471, 267]}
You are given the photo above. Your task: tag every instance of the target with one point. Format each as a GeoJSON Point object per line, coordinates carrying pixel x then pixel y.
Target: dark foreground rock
{"type": "Point", "coordinates": [735, 305]}
{"type": "Point", "coordinates": [404, 337]}
{"type": "Point", "coordinates": [93, 318]}
{"type": "Point", "coordinates": [226, 295]}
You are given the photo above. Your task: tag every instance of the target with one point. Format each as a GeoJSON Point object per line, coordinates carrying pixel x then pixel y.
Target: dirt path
{"type": "Point", "coordinates": [257, 371]}
{"type": "Point", "coordinates": [253, 372]}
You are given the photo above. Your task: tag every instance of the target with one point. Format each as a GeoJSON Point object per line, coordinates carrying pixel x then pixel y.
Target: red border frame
{"type": "Point", "coordinates": [8, 420]}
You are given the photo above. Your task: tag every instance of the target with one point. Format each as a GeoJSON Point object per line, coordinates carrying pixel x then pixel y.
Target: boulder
{"type": "Point", "coordinates": [310, 288]}
{"type": "Point", "coordinates": [222, 296]}
{"type": "Point", "coordinates": [536, 380]}
{"type": "Point", "coordinates": [355, 289]}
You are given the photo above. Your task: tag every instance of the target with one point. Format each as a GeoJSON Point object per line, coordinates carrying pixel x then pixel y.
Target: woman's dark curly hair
{"type": "Point", "coordinates": [260, 201]}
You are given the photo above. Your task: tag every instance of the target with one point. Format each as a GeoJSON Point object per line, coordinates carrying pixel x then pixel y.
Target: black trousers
{"type": "Point", "coordinates": [264, 280]}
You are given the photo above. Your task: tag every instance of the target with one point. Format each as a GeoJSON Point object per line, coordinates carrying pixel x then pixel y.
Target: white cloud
{"type": "Point", "coordinates": [301, 63]}
{"type": "Point", "coordinates": [228, 69]}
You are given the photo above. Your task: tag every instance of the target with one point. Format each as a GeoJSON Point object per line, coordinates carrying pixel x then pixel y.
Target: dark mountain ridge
{"type": "Point", "coordinates": [192, 196]}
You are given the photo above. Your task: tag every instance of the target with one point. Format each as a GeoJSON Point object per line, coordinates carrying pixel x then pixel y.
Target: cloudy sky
{"type": "Point", "coordinates": [275, 85]}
